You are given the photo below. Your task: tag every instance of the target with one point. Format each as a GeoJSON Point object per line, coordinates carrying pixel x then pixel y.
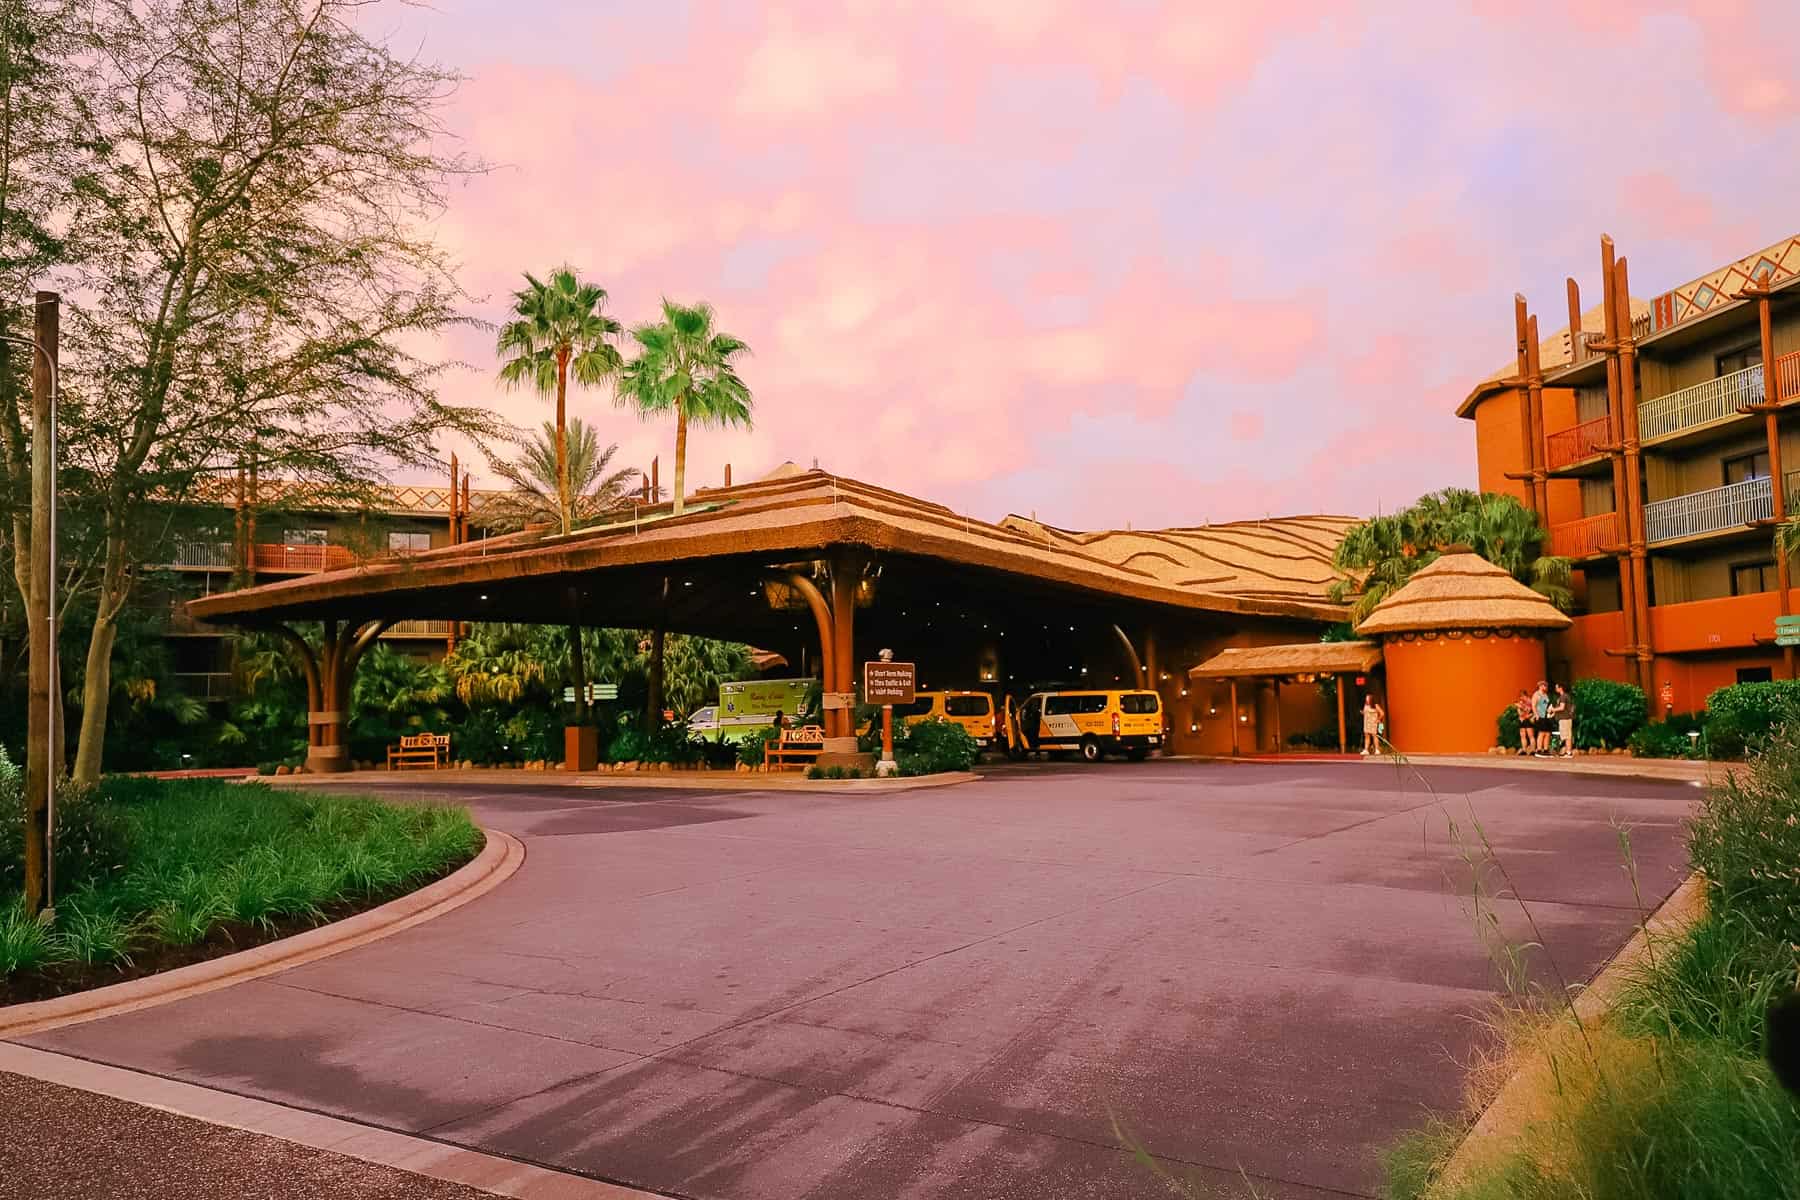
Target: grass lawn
{"type": "Point", "coordinates": [1668, 1094]}
{"type": "Point", "coordinates": [155, 873]}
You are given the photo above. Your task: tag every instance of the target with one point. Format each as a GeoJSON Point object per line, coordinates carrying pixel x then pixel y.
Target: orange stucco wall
{"type": "Point", "coordinates": [1444, 693]}
{"type": "Point", "coordinates": [1699, 646]}
{"type": "Point", "coordinates": [1498, 449]}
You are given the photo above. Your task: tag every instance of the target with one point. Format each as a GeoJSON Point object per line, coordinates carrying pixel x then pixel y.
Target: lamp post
{"type": "Point", "coordinates": [49, 300]}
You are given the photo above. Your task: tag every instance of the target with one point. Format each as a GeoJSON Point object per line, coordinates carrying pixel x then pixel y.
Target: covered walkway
{"type": "Point", "coordinates": [1302, 662]}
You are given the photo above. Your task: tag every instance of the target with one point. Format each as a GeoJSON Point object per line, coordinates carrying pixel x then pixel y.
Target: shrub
{"type": "Point", "coordinates": [1607, 713]}
{"type": "Point", "coordinates": [1508, 722]}
{"type": "Point", "coordinates": [1745, 840]}
{"type": "Point", "coordinates": [750, 751]}
{"type": "Point", "coordinates": [1741, 717]}
{"type": "Point", "coordinates": [25, 942]}
{"type": "Point", "coordinates": [936, 745]}
{"type": "Point", "coordinates": [1668, 739]}
{"type": "Point", "coordinates": [89, 842]}
{"type": "Point", "coordinates": [815, 772]}
{"type": "Point", "coordinates": [671, 744]}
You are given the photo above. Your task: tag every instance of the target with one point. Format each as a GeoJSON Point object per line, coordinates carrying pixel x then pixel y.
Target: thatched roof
{"type": "Point", "coordinates": [1462, 591]}
{"type": "Point", "coordinates": [1276, 567]}
{"type": "Point", "coordinates": [1300, 658]}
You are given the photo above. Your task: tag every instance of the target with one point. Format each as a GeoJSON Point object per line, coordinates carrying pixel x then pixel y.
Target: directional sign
{"type": "Point", "coordinates": [1787, 631]}
{"type": "Point", "coordinates": [595, 691]}
{"type": "Point", "coordinates": [889, 682]}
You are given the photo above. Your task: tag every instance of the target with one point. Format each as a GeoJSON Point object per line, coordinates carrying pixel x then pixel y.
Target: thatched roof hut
{"type": "Point", "coordinates": [1462, 590]}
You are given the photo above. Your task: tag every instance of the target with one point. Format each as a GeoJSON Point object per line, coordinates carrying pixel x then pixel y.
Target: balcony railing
{"type": "Point", "coordinates": [1575, 443]}
{"type": "Point", "coordinates": [1586, 537]}
{"type": "Point", "coordinates": [1787, 377]}
{"type": "Point", "coordinates": [418, 629]}
{"type": "Point", "coordinates": [1729, 507]}
{"type": "Point", "coordinates": [1701, 404]}
{"type": "Point", "coordinates": [221, 556]}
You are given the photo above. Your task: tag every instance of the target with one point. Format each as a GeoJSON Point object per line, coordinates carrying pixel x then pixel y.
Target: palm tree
{"type": "Point", "coordinates": [1379, 555]}
{"type": "Point", "coordinates": [594, 487]}
{"type": "Point", "coordinates": [558, 327]}
{"type": "Point", "coordinates": [685, 365]}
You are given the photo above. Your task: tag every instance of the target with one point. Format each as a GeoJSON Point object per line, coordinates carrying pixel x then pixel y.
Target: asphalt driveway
{"type": "Point", "coordinates": [1258, 973]}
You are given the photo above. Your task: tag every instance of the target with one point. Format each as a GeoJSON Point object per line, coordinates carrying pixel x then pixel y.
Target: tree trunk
{"type": "Point", "coordinates": [680, 454]}
{"type": "Point", "coordinates": [40, 765]}
{"type": "Point", "coordinates": [562, 441]}
{"type": "Point", "coordinates": [96, 680]}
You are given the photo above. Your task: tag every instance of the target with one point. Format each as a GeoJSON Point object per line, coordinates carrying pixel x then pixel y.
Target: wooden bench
{"type": "Point", "coordinates": [795, 747]}
{"type": "Point", "coordinates": [420, 749]}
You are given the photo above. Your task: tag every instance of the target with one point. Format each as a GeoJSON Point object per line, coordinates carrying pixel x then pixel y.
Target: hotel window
{"type": "Point", "coordinates": [1749, 578]}
{"type": "Point", "coordinates": [1755, 675]}
{"type": "Point", "coordinates": [303, 537]}
{"type": "Point", "coordinates": [1746, 466]}
{"type": "Point", "coordinates": [1740, 359]}
{"type": "Point", "coordinates": [408, 541]}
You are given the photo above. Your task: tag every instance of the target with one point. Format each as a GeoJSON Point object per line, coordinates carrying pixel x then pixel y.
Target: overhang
{"type": "Point", "coordinates": [1302, 658]}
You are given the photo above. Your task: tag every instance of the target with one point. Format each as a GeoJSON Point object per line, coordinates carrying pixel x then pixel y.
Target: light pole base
{"type": "Point", "coordinates": [886, 767]}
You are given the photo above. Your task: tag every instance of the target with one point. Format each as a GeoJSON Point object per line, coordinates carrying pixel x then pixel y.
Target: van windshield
{"type": "Point", "coordinates": [968, 706]}
{"type": "Point", "coordinates": [1138, 702]}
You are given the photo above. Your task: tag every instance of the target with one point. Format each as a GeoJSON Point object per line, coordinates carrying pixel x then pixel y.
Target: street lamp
{"type": "Point", "coordinates": [50, 620]}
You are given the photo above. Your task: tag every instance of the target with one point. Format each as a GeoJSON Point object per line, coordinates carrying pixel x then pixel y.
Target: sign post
{"type": "Point", "coordinates": [888, 683]}
{"type": "Point", "coordinates": [1787, 631]}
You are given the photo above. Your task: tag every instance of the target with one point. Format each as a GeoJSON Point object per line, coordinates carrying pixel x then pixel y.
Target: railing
{"type": "Point", "coordinates": [301, 558]}
{"type": "Point", "coordinates": [212, 555]}
{"type": "Point", "coordinates": [1787, 376]}
{"type": "Point", "coordinates": [204, 685]}
{"type": "Point", "coordinates": [417, 629]}
{"type": "Point", "coordinates": [1571, 445]}
{"type": "Point", "coordinates": [1728, 507]}
{"type": "Point", "coordinates": [1586, 537]}
{"type": "Point", "coordinates": [222, 556]}
{"type": "Point", "coordinates": [1713, 400]}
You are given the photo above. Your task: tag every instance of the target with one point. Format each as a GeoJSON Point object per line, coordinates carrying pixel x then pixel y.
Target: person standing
{"type": "Point", "coordinates": [1564, 712]}
{"type": "Point", "coordinates": [1541, 722]}
{"type": "Point", "coordinates": [1371, 726]}
{"type": "Point", "coordinates": [1527, 722]}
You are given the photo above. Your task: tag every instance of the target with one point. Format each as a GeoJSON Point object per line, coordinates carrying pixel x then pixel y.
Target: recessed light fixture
{"type": "Point", "coordinates": [484, 596]}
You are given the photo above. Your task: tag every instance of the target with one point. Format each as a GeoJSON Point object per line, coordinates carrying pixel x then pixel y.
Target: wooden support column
{"type": "Point", "coordinates": [1575, 331]}
{"type": "Point", "coordinates": [1634, 477]}
{"type": "Point", "coordinates": [1343, 731]}
{"type": "Point", "coordinates": [1235, 751]}
{"type": "Point", "coordinates": [846, 572]}
{"type": "Point", "coordinates": [455, 504]}
{"type": "Point", "coordinates": [1622, 500]}
{"type": "Point", "coordinates": [464, 520]}
{"type": "Point", "coordinates": [329, 672]}
{"type": "Point", "coordinates": [1540, 451]}
{"type": "Point", "coordinates": [1527, 450]}
{"type": "Point", "coordinates": [821, 611]}
{"type": "Point", "coordinates": [1275, 688]}
{"type": "Point", "coordinates": [1771, 408]}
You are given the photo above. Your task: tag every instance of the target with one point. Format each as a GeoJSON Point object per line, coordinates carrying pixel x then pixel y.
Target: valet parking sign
{"type": "Point", "coordinates": [889, 682]}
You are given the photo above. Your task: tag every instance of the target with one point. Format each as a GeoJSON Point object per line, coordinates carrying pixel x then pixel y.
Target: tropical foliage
{"type": "Point", "coordinates": [595, 486]}
{"type": "Point", "coordinates": [1379, 555]}
{"type": "Point", "coordinates": [558, 329]}
{"type": "Point", "coordinates": [686, 366]}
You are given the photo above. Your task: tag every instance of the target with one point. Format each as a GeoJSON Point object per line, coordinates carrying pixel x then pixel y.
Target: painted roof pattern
{"type": "Point", "coordinates": [1279, 566]}
{"type": "Point", "coordinates": [1462, 591]}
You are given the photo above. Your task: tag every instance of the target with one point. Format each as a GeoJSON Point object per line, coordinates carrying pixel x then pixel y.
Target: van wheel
{"type": "Point", "coordinates": [1090, 750]}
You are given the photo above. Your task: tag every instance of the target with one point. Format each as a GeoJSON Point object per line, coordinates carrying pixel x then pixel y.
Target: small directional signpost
{"type": "Point", "coordinates": [595, 691]}
{"type": "Point", "coordinates": [888, 683]}
{"type": "Point", "coordinates": [1787, 631]}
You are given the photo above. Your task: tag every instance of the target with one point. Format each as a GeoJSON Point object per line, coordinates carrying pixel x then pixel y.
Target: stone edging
{"type": "Point", "coordinates": [499, 858]}
{"type": "Point", "coordinates": [1507, 1113]}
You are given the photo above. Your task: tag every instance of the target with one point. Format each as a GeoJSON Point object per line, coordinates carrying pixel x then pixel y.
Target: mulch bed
{"type": "Point", "coordinates": [152, 958]}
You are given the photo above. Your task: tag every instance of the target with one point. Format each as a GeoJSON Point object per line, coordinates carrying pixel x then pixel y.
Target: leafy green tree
{"type": "Point", "coordinates": [254, 282]}
{"type": "Point", "coordinates": [1379, 555]}
{"type": "Point", "coordinates": [558, 327]}
{"type": "Point", "coordinates": [686, 366]}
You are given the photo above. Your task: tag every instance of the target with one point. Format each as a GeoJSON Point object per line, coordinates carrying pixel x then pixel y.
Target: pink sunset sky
{"type": "Point", "coordinates": [1154, 263]}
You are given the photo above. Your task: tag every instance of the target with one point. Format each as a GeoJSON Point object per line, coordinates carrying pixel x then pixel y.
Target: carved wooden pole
{"type": "Point", "coordinates": [1616, 438]}
{"type": "Point", "coordinates": [1634, 477]}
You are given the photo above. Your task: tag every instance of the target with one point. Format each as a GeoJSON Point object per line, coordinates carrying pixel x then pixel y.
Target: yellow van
{"type": "Point", "coordinates": [974, 711]}
{"type": "Point", "coordinates": [1089, 723]}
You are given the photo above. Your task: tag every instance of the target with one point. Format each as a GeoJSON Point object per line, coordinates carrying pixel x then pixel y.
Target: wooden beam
{"type": "Point", "coordinates": [1343, 733]}
{"type": "Point", "coordinates": [1235, 751]}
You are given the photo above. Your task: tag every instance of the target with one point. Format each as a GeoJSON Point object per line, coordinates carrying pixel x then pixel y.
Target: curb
{"type": "Point", "coordinates": [502, 855]}
{"type": "Point", "coordinates": [1506, 1114]}
{"type": "Point", "coordinates": [424, 1156]}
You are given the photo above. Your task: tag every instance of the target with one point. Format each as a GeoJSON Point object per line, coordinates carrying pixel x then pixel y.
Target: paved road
{"type": "Point", "coordinates": [1260, 973]}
